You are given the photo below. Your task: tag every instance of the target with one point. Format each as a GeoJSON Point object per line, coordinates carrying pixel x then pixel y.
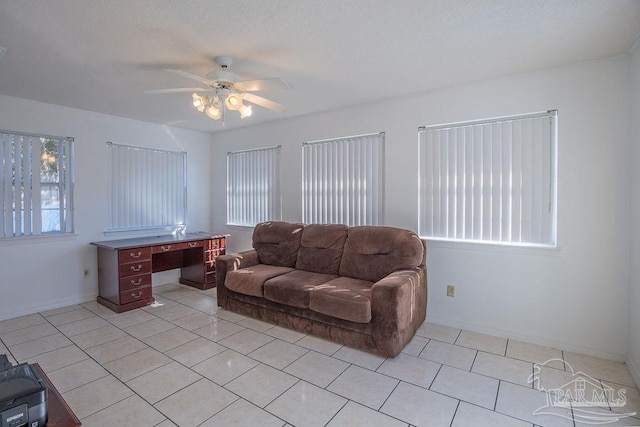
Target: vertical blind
{"type": "Point", "coordinates": [36, 184]}
{"type": "Point", "coordinates": [253, 186]}
{"type": "Point", "coordinates": [148, 188]}
{"type": "Point", "coordinates": [343, 180]}
{"type": "Point", "coordinates": [492, 180]}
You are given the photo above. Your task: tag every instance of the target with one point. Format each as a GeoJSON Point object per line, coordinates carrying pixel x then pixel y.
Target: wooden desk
{"type": "Point", "coordinates": [58, 412]}
{"type": "Point", "coordinates": [125, 266]}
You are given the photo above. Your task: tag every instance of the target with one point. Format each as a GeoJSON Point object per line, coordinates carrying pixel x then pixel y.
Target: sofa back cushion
{"type": "Point", "coordinates": [321, 248]}
{"type": "Point", "coordinates": [373, 252]}
{"type": "Point", "coordinates": [277, 243]}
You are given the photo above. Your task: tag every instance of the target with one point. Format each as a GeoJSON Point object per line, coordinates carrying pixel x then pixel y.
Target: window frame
{"type": "Point", "coordinates": [31, 224]}
{"type": "Point", "coordinates": [247, 207]}
{"type": "Point", "coordinates": [548, 160]}
{"type": "Point", "coordinates": [345, 173]}
{"type": "Point", "coordinates": [150, 181]}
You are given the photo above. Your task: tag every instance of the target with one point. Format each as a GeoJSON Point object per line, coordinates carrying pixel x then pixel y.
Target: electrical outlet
{"type": "Point", "coordinates": [451, 291]}
{"type": "Point", "coordinates": [86, 273]}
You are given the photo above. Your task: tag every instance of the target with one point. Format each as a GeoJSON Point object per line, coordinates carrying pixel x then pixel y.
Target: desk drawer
{"type": "Point", "coordinates": [168, 247]}
{"type": "Point", "coordinates": [135, 282]}
{"type": "Point", "coordinates": [212, 244]}
{"type": "Point", "coordinates": [135, 254]}
{"type": "Point", "coordinates": [134, 268]}
{"type": "Point", "coordinates": [133, 295]}
{"type": "Point", "coordinates": [210, 258]}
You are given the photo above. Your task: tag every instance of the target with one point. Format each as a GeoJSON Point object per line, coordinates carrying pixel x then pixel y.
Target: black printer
{"type": "Point", "coordinates": [23, 396]}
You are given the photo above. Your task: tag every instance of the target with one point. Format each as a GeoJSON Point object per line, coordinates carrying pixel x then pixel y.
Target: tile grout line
{"type": "Point", "coordinates": [454, 413]}
{"type": "Point", "coordinates": [495, 403]}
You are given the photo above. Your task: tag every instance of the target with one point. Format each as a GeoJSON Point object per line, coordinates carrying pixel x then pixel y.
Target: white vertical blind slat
{"type": "Point", "coordinates": [478, 178]}
{"type": "Point", "coordinates": [60, 189]}
{"type": "Point", "coordinates": [538, 197]}
{"type": "Point", "coordinates": [29, 181]}
{"type": "Point", "coordinates": [67, 167]}
{"type": "Point", "coordinates": [496, 181]}
{"type": "Point", "coordinates": [19, 186]}
{"type": "Point", "coordinates": [5, 189]}
{"type": "Point", "coordinates": [468, 184]}
{"type": "Point", "coordinates": [443, 185]}
{"type": "Point", "coordinates": [516, 182]}
{"type": "Point", "coordinates": [547, 175]}
{"type": "Point", "coordinates": [33, 196]}
{"type": "Point", "coordinates": [506, 182]}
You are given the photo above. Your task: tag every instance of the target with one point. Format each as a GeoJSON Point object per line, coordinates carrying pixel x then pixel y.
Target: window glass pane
{"type": "Point", "coordinates": [49, 185]}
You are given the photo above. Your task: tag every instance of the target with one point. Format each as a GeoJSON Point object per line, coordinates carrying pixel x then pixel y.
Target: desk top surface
{"type": "Point", "coordinates": [58, 412]}
{"type": "Point", "coordinates": [156, 240]}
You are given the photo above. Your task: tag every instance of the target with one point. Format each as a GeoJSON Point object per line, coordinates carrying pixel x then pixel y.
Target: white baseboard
{"type": "Point", "coordinates": [509, 334]}
{"type": "Point", "coordinates": [161, 278]}
{"type": "Point", "coordinates": [633, 370]}
{"type": "Point", "coordinates": [23, 311]}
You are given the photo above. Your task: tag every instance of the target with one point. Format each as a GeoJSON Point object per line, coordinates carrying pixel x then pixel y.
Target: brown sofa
{"type": "Point", "coordinates": [364, 287]}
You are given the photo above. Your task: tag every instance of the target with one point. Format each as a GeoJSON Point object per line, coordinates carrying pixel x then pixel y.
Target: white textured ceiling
{"type": "Point", "coordinates": [100, 55]}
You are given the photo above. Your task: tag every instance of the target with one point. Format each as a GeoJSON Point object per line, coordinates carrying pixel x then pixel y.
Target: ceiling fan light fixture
{"type": "Point", "coordinates": [233, 101]}
{"type": "Point", "coordinates": [245, 111]}
{"type": "Point", "coordinates": [213, 112]}
{"type": "Point", "coordinates": [199, 102]}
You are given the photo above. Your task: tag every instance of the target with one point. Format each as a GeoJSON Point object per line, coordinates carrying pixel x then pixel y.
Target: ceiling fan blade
{"type": "Point", "coordinates": [263, 84]}
{"type": "Point", "coordinates": [189, 75]}
{"type": "Point", "coordinates": [177, 90]}
{"type": "Point", "coordinates": [264, 102]}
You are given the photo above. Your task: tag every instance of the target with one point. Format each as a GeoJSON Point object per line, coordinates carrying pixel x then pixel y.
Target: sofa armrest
{"type": "Point", "coordinates": [398, 307]}
{"type": "Point", "coordinates": [231, 262]}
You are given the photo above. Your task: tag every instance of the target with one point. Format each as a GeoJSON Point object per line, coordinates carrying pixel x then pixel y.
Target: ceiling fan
{"type": "Point", "coordinates": [228, 92]}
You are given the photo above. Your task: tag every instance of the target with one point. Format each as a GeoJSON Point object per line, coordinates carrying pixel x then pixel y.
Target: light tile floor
{"type": "Point", "coordinates": [189, 363]}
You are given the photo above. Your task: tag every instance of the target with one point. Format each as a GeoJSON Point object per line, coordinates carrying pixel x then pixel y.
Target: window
{"type": "Point", "coordinates": [36, 184]}
{"type": "Point", "coordinates": [148, 189]}
{"type": "Point", "coordinates": [343, 180]}
{"type": "Point", "coordinates": [490, 181]}
{"type": "Point", "coordinates": [253, 186]}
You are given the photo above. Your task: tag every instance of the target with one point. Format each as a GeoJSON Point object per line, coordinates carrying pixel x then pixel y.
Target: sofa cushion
{"type": "Point", "coordinates": [250, 280]}
{"type": "Point", "coordinates": [344, 298]}
{"type": "Point", "coordinates": [321, 248]}
{"type": "Point", "coordinates": [373, 252]}
{"type": "Point", "coordinates": [277, 243]}
{"type": "Point", "coordinates": [293, 289]}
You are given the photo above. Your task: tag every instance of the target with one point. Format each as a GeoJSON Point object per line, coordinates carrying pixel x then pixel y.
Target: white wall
{"type": "Point", "coordinates": [47, 272]}
{"type": "Point", "coordinates": [574, 298]}
{"type": "Point", "coordinates": [633, 359]}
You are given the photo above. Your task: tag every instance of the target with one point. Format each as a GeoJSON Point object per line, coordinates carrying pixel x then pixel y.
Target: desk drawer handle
{"type": "Point", "coordinates": [193, 244]}
{"type": "Point", "coordinates": [138, 268]}
{"type": "Point", "coordinates": [138, 283]}
{"type": "Point", "coordinates": [138, 255]}
{"type": "Point", "coordinates": [165, 248]}
{"type": "Point", "coordinates": [134, 296]}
